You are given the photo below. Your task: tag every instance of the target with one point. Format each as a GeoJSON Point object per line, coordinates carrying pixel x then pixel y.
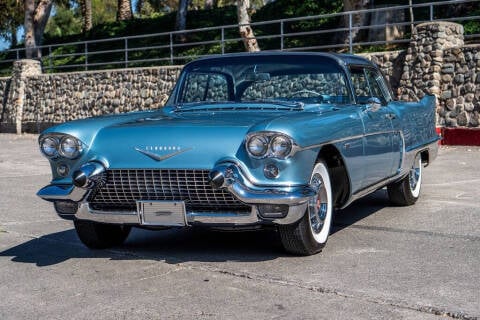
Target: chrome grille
{"type": "Point", "coordinates": [124, 188]}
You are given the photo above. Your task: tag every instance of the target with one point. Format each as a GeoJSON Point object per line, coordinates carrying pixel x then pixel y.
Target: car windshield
{"type": "Point", "coordinates": [279, 80]}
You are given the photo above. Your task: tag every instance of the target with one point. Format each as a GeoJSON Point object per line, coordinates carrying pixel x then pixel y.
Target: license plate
{"type": "Point", "coordinates": [162, 213]}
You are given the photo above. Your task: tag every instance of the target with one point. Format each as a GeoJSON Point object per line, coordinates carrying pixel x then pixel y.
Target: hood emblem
{"type": "Point", "coordinates": [158, 157]}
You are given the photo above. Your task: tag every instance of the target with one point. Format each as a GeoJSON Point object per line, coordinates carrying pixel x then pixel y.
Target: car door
{"type": "Point", "coordinates": [378, 130]}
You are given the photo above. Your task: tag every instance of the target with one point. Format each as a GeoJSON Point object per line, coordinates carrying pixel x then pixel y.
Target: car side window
{"type": "Point", "coordinates": [378, 86]}
{"type": "Point", "coordinates": [368, 83]}
{"type": "Point", "coordinates": [205, 87]}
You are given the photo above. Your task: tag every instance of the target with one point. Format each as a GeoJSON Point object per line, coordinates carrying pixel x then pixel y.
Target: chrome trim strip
{"type": "Point", "coordinates": [118, 217]}
{"type": "Point", "coordinates": [335, 141]}
{"type": "Point", "coordinates": [222, 218]}
{"type": "Point", "coordinates": [62, 192]}
{"type": "Point", "coordinates": [159, 158]}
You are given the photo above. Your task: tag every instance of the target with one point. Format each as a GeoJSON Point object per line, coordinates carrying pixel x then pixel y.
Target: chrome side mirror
{"type": "Point", "coordinates": [373, 104]}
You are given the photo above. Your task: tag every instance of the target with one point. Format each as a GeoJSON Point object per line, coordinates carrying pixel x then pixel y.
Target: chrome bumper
{"type": "Point", "coordinates": [232, 180]}
{"type": "Point", "coordinates": [84, 212]}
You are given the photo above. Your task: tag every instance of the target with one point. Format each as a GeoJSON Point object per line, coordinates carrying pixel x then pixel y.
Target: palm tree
{"type": "Point", "coordinates": [181, 19]}
{"type": "Point", "coordinates": [246, 31]}
{"type": "Point", "coordinates": [124, 11]}
{"type": "Point", "coordinates": [86, 7]}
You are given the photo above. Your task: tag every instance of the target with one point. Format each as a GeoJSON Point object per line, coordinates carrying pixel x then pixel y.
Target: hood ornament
{"type": "Point", "coordinates": [158, 157]}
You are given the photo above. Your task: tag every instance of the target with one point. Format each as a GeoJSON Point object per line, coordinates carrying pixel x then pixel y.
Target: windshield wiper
{"type": "Point", "coordinates": [187, 105]}
{"type": "Point", "coordinates": [291, 104]}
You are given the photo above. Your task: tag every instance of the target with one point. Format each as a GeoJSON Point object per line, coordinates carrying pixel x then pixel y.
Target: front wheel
{"type": "Point", "coordinates": [407, 191]}
{"type": "Point", "coordinates": [309, 235]}
{"type": "Point", "coordinates": [101, 235]}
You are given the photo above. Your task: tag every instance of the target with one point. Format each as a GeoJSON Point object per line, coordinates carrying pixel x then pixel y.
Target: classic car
{"type": "Point", "coordinates": [277, 140]}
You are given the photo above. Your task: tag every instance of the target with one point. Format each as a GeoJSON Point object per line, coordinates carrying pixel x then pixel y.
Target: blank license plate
{"type": "Point", "coordinates": [162, 213]}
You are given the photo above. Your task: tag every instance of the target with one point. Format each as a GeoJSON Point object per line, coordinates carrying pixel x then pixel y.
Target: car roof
{"type": "Point", "coordinates": [341, 58]}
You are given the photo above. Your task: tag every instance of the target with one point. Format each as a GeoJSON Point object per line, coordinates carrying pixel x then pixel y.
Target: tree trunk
{"type": "Point", "coordinates": [124, 10]}
{"type": "Point", "coordinates": [246, 31]}
{"type": "Point", "coordinates": [36, 18]}
{"type": "Point", "coordinates": [86, 6]}
{"type": "Point", "coordinates": [208, 4]}
{"type": "Point", "coordinates": [181, 20]}
{"type": "Point", "coordinates": [358, 19]}
{"type": "Point", "coordinates": [139, 6]}
{"type": "Point", "coordinates": [13, 32]}
{"type": "Point", "coordinates": [411, 16]}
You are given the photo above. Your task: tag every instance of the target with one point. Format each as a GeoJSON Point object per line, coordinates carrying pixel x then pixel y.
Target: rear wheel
{"type": "Point", "coordinates": [407, 191]}
{"type": "Point", "coordinates": [309, 235]}
{"type": "Point", "coordinates": [101, 235]}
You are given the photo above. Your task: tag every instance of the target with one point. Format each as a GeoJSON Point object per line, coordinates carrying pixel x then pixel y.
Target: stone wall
{"type": "Point", "coordinates": [4, 83]}
{"type": "Point", "coordinates": [459, 101]}
{"type": "Point", "coordinates": [436, 62]}
{"type": "Point", "coordinates": [55, 98]}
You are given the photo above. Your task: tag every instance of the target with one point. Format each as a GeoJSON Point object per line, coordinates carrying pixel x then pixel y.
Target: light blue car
{"type": "Point", "coordinates": [246, 140]}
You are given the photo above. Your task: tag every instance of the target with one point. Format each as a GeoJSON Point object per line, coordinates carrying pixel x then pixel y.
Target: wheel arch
{"type": "Point", "coordinates": [339, 177]}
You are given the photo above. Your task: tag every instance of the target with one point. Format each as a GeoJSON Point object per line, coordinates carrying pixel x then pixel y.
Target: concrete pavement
{"type": "Point", "coordinates": [381, 262]}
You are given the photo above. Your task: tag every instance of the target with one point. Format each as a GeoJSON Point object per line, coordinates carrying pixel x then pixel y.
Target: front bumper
{"type": "Point", "coordinates": [233, 180]}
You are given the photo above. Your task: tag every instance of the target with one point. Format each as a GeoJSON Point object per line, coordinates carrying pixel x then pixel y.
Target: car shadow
{"type": "Point", "coordinates": [172, 246]}
{"type": "Point", "coordinates": [181, 245]}
{"type": "Point", "coordinates": [359, 210]}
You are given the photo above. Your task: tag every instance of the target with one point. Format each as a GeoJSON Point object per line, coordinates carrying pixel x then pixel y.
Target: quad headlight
{"type": "Point", "coordinates": [70, 147]}
{"type": "Point", "coordinates": [257, 145]}
{"type": "Point", "coordinates": [269, 145]}
{"type": "Point", "coordinates": [49, 146]}
{"type": "Point", "coordinates": [64, 146]}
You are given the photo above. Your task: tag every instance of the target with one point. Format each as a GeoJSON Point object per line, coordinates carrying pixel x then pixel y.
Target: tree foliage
{"type": "Point", "coordinates": [11, 18]}
{"type": "Point", "coordinates": [65, 22]}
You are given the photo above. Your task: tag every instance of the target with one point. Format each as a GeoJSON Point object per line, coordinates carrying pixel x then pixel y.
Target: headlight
{"type": "Point", "coordinates": [269, 144]}
{"type": "Point", "coordinates": [49, 146]}
{"type": "Point", "coordinates": [70, 147]}
{"type": "Point", "coordinates": [280, 146]}
{"type": "Point", "coordinates": [257, 145]}
{"type": "Point", "coordinates": [58, 145]}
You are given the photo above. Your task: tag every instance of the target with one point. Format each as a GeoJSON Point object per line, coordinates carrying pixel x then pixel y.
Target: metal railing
{"type": "Point", "coordinates": [295, 34]}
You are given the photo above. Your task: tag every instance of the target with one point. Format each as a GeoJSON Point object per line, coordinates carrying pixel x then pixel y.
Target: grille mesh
{"type": "Point", "coordinates": [124, 187]}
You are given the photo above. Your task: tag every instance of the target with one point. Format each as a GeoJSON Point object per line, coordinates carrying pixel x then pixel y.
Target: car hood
{"type": "Point", "coordinates": [190, 140]}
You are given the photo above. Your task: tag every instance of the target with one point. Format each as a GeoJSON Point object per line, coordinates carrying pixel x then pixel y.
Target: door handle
{"type": "Point", "coordinates": [390, 116]}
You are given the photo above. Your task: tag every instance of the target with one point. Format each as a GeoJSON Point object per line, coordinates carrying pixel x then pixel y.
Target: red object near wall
{"type": "Point", "coordinates": [459, 136]}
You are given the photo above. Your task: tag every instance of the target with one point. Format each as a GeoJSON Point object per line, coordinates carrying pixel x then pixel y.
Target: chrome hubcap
{"type": "Point", "coordinates": [414, 175]}
{"type": "Point", "coordinates": [318, 205]}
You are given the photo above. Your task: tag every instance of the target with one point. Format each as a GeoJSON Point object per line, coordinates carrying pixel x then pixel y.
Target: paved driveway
{"type": "Point", "coordinates": [381, 262]}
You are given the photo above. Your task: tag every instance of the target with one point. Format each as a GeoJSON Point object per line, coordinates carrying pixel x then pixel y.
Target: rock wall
{"type": "Point", "coordinates": [459, 101]}
{"type": "Point", "coordinates": [55, 98]}
{"type": "Point", "coordinates": [4, 83]}
{"type": "Point", "coordinates": [436, 62]}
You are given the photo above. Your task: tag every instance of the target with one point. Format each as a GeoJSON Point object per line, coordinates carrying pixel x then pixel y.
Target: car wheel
{"type": "Point", "coordinates": [101, 235]}
{"type": "Point", "coordinates": [309, 235]}
{"type": "Point", "coordinates": [407, 191]}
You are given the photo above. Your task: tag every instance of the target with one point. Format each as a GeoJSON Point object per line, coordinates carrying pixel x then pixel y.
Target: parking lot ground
{"type": "Point", "coordinates": [381, 262]}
